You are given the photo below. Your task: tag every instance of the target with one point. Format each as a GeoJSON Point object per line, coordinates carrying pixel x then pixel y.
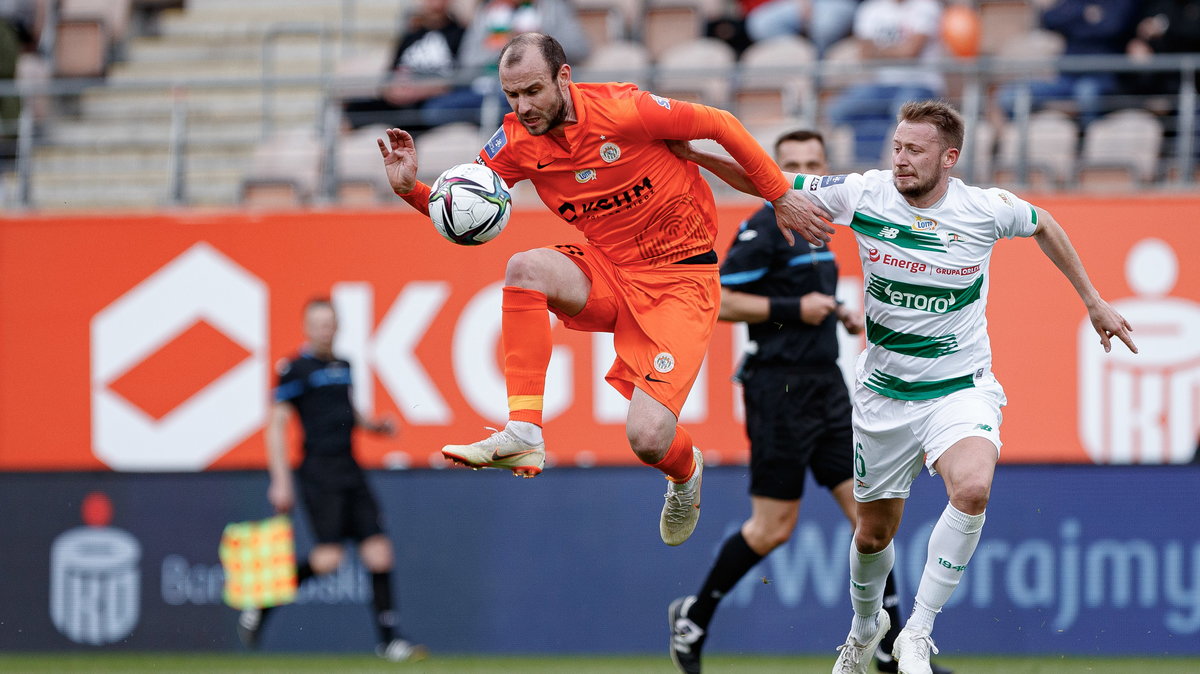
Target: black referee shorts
{"type": "Point", "coordinates": [797, 419]}
{"type": "Point", "coordinates": [340, 509]}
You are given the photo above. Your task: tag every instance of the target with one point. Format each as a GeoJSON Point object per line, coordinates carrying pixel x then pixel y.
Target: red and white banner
{"type": "Point", "coordinates": [148, 342]}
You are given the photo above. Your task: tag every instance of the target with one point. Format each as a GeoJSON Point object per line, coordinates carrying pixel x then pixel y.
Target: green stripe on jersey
{"type": "Point", "coordinates": [918, 346]}
{"type": "Point", "coordinates": [900, 235]}
{"type": "Point", "coordinates": [923, 298]}
{"type": "Point", "coordinates": [894, 387]}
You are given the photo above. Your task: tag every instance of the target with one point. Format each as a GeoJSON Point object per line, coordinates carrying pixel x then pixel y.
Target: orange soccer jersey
{"type": "Point", "coordinates": [611, 176]}
{"type": "Point", "coordinates": [641, 208]}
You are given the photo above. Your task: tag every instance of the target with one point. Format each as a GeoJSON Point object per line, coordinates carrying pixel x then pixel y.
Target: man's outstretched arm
{"type": "Point", "coordinates": [730, 171]}
{"type": "Point", "coordinates": [1055, 243]}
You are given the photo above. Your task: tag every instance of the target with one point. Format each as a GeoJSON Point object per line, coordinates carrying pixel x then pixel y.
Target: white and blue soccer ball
{"type": "Point", "coordinates": [469, 204]}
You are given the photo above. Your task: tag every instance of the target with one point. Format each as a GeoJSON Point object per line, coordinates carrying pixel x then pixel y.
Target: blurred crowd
{"type": "Point", "coordinates": [435, 44]}
{"type": "Point", "coordinates": [842, 66]}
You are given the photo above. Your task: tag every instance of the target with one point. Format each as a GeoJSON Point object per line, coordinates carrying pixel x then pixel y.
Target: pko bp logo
{"type": "Point", "coordinates": [200, 289]}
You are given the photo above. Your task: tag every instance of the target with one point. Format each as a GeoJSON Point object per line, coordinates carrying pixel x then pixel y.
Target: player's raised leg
{"type": "Point", "coordinates": [533, 280]}
{"type": "Point", "coordinates": [967, 468]}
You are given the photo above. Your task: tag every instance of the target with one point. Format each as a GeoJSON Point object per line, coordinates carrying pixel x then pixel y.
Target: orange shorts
{"type": "Point", "coordinates": [661, 319]}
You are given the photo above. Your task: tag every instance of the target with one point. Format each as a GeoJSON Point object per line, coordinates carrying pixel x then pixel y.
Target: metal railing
{"type": "Point", "coordinates": [978, 80]}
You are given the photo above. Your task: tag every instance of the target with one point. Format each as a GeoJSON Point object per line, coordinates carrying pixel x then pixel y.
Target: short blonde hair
{"type": "Point", "coordinates": [941, 115]}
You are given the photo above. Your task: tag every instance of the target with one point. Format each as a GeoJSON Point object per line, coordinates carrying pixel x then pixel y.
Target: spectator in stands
{"type": "Point", "coordinates": [1090, 27]}
{"type": "Point", "coordinates": [18, 33]}
{"type": "Point", "coordinates": [822, 21]}
{"type": "Point", "coordinates": [730, 26]}
{"type": "Point", "coordinates": [1165, 27]}
{"type": "Point", "coordinates": [498, 21]}
{"type": "Point", "coordinates": [422, 92]}
{"type": "Point", "coordinates": [899, 30]}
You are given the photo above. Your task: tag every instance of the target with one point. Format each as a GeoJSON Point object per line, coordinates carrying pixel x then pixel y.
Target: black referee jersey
{"type": "Point", "coordinates": [320, 392]}
{"type": "Point", "coordinates": [761, 262]}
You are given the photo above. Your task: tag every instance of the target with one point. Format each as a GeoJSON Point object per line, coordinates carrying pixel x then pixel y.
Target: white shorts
{"type": "Point", "coordinates": [892, 438]}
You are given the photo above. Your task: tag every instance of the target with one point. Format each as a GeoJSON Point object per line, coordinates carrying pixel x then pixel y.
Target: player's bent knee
{"type": "Point", "coordinates": [376, 554]}
{"type": "Point", "coordinates": [648, 444]}
{"type": "Point", "coordinates": [528, 269]}
{"type": "Point", "coordinates": [325, 559]}
{"type": "Point", "coordinates": [971, 499]}
{"type": "Point", "coordinates": [765, 539]}
{"type": "Point", "coordinates": [869, 542]}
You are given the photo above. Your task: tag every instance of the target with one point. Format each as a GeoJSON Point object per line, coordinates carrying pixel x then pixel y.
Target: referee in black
{"type": "Point", "coordinates": [316, 387]}
{"type": "Point", "coordinates": [797, 407]}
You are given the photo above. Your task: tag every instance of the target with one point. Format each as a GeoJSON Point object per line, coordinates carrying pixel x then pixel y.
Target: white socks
{"type": "Point", "coordinates": [868, 576]}
{"type": "Point", "coordinates": [951, 545]}
{"type": "Point", "coordinates": [525, 431]}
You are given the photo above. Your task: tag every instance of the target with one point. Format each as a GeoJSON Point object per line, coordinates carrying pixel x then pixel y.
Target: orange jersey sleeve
{"type": "Point", "coordinates": [680, 120]}
{"type": "Point", "coordinates": [612, 178]}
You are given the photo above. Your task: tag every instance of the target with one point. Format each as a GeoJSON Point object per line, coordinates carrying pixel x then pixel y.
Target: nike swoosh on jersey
{"type": "Point", "coordinates": [660, 381]}
{"type": "Point", "coordinates": [542, 166]}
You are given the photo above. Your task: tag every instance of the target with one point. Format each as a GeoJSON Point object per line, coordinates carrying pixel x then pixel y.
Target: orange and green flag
{"type": "Point", "coordinates": [259, 558]}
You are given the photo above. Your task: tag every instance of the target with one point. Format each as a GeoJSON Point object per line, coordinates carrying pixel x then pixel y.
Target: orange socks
{"type": "Point", "coordinates": [678, 464]}
{"type": "Point", "coordinates": [525, 334]}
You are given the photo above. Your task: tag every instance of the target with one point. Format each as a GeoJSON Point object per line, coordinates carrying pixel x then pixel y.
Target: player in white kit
{"type": "Point", "coordinates": [925, 394]}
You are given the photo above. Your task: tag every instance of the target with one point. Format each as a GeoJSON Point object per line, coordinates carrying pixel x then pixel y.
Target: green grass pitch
{"type": "Point", "coordinates": [583, 664]}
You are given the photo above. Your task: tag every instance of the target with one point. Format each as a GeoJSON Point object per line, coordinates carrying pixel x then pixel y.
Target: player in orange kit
{"type": "Point", "coordinates": [648, 273]}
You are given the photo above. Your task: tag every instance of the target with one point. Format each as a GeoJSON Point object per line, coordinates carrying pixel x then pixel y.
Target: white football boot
{"type": "Point", "coordinates": [501, 450]}
{"type": "Point", "coordinates": [912, 652]}
{"type": "Point", "coordinates": [682, 509]}
{"type": "Point", "coordinates": [855, 657]}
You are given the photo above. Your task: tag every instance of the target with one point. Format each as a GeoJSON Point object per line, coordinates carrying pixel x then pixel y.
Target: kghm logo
{"type": "Point", "coordinates": [95, 580]}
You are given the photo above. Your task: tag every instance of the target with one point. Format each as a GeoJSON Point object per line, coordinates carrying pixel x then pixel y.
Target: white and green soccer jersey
{"type": "Point", "coordinates": [925, 276]}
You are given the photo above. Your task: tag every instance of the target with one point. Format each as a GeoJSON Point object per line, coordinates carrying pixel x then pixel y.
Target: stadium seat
{"type": "Point", "coordinates": [1004, 20]}
{"type": "Point", "coordinates": [844, 59]}
{"type": "Point", "coordinates": [1052, 142]}
{"type": "Point", "coordinates": [360, 178]}
{"type": "Point", "coordinates": [774, 80]}
{"type": "Point", "coordinates": [445, 146]}
{"type": "Point", "coordinates": [699, 71]}
{"type": "Point", "coordinates": [1033, 46]}
{"type": "Point", "coordinates": [607, 21]}
{"type": "Point", "coordinates": [980, 146]}
{"type": "Point", "coordinates": [284, 170]}
{"type": "Point", "coordinates": [666, 24]}
{"type": "Point", "coordinates": [616, 61]}
{"type": "Point", "coordinates": [1120, 151]}
{"type": "Point", "coordinates": [766, 133]}
{"type": "Point", "coordinates": [360, 74]}
{"type": "Point", "coordinates": [86, 33]}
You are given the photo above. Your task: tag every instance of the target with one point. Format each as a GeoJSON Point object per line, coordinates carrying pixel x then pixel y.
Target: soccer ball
{"type": "Point", "coordinates": [469, 204]}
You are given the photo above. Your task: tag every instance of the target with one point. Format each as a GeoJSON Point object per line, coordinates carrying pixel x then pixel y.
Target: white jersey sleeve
{"type": "Point", "coordinates": [1014, 216]}
{"type": "Point", "coordinates": [838, 194]}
